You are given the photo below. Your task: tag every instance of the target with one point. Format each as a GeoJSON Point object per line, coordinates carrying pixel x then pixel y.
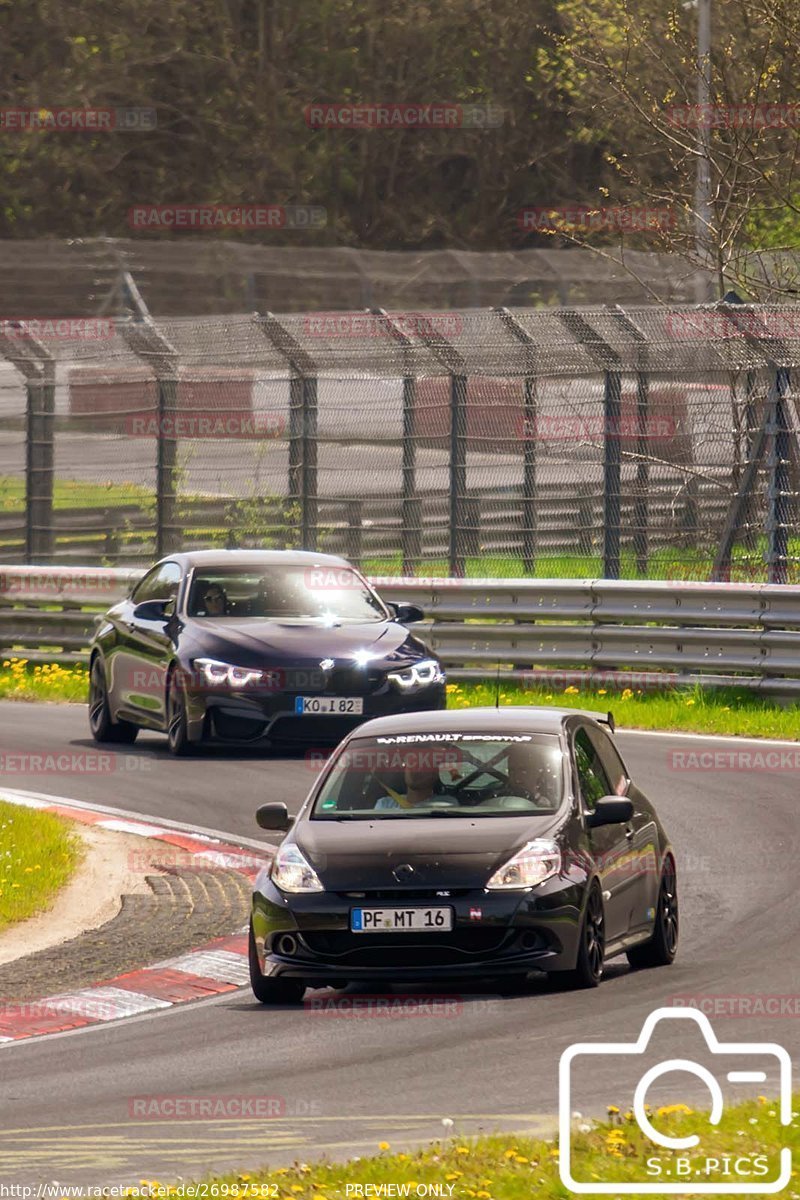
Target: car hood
{"type": "Point", "coordinates": [444, 852]}
{"type": "Point", "coordinates": [250, 642]}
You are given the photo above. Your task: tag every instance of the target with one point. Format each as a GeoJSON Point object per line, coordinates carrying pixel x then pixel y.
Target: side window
{"type": "Point", "coordinates": [592, 779]}
{"type": "Point", "coordinates": [143, 590]}
{"type": "Point", "coordinates": [159, 584]}
{"type": "Point", "coordinates": [612, 763]}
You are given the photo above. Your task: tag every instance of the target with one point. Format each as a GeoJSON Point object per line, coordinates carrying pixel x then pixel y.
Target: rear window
{"type": "Point", "coordinates": [413, 776]}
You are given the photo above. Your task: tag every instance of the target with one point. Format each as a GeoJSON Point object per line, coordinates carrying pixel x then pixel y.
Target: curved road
{"type": "Point", "coordinates": [345, 1084]}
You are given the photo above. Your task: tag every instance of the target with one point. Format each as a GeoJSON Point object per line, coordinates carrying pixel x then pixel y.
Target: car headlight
{"type": "Point", "coordinates": [419, 675]}
{"type": "Point", "coordinates": [531, 865]}
{"type": "Point", "coordinates": [292, 873]}
{"type": "Point", "coordinates": [218, 674]}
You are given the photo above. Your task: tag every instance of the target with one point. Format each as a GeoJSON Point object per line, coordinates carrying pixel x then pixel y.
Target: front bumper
{"type": "Point", "coordinates": [494, 934]}
{"type": "Point", "coordinates": [238, 717]}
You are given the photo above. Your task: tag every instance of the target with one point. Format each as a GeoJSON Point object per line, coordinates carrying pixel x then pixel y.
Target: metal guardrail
{"type": "Point", "coordinates": [556, 631]}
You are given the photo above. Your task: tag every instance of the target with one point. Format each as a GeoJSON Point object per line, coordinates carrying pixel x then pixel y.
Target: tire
{"type": "Point", "coordinates": [100, 723]}
{"type": "Point", "coordinates": [588, 970]}
{"type": "Point", "coordinates": [177, 718]}
{"type": "Point", "coordinates": [269, 990]}
{"type": "Point", "coordinates": [662, 946]}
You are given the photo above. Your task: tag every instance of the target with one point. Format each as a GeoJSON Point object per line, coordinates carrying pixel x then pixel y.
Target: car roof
{"type": "Point", "coordinates": [511, 718]}
{"type": "Point", "coordinates": [245, 558]}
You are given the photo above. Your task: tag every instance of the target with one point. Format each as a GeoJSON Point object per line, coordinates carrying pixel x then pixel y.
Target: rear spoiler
{"type": "Point", "coordinates": [608, 720]}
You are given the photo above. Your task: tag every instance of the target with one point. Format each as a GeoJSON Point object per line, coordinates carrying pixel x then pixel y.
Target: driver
{"type": "Point", "coordinates": [214, 600]}
{"type": "Point", "coordinates": [420, 790]}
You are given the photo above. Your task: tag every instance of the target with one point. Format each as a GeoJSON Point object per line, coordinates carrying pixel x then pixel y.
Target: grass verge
{"type": "Point", "coordinates": [724, 711]}
{"type": "Point", "coordinates": [517, 1168]}
{"type": "Point", "coordinates": [38, 855]}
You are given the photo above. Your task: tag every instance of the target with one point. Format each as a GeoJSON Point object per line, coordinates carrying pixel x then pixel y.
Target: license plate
{"type": "Point", "coordinates": [316, 705]}
{"type": "Point", "coordinates": [400, 920]}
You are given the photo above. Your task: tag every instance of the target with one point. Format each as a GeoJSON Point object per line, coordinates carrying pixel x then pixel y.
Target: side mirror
{"type": "Point", "coordinates": [154, 610]}
{"type": "Point", "coordinates": [406, 614]}
{"type": "Point", "coordinates": [610, 810]}
{"type": "Point", "coordinates": [274, 816]}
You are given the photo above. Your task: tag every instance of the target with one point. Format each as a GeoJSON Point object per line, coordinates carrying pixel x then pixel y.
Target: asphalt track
{"type": "Point", "coordinates": [344, 1084]}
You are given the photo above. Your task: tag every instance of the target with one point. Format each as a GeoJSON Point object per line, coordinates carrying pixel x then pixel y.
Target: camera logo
{"type": "Point", "coordinates": [683, 1166]}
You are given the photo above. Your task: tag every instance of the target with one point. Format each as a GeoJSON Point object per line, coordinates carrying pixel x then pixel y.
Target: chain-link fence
{"type": "Point", "coordinates": [210, 275]}
{"type": "Point", "coordinates": [649, 442]}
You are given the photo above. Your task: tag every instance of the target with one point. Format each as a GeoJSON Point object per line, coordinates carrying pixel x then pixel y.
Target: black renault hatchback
{"type": "Point", "coordinates": [255, 646]}
{"type": "Point", "coordinates": [465, 844]}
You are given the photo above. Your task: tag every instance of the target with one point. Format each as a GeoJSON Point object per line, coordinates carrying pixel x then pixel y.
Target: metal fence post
{"type": "Point", "coordinates": [772, 437]}
{"type": "Point", "coordinates": [411, 505]}
{"type": "Point", "coordinates": [777, 523]}
{"type": "Point", "coordinates": [458, 474]}
{"type": "Point", "coordinates": [148, 343]}
{"type": "Point", "coordinates": [303, 405]}
{"type": "Point", "coordinates": [608, 359]}
{"type": "Point", "coordinates": [641, 498]}
{"type": "Point", "coordinates": [456, 368]}
{"type": "Point", "coordinates": [35, 363]}
{"type": "Point", "coordinates": [528, 434]}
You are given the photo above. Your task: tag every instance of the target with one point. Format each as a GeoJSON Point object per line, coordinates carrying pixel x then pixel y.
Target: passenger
{"type": "Point", "coordinates": [420, 790]}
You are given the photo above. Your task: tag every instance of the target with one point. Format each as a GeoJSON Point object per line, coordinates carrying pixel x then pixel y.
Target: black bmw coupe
{"type": "Point", "coordinates": [255, 646]}
{"type": "Point", "coordinates": [474, 843]}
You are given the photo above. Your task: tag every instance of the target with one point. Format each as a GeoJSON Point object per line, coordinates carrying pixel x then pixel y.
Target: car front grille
{"type": "Point", "coordinates": [403, 950]}
{"type": "Point", "coordinates": [353, 681]}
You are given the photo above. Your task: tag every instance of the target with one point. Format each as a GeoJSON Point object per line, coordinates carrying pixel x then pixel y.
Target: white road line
{"type": "Point", "coordinates": [136, 827]}
{"type": "Point", "coordinates": [199, 832]}
{"type": "Point", "coordinates": [707, 737]}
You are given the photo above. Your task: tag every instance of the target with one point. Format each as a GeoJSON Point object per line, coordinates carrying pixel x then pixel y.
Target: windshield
{"type": "Point", "coordinates": [284, 593]}
{"type": "Point", "coordinates": [412, 776]}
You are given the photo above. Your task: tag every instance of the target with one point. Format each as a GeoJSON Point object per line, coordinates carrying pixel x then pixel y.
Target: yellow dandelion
{"type": "Point", "coordinates": [383, 1145]}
